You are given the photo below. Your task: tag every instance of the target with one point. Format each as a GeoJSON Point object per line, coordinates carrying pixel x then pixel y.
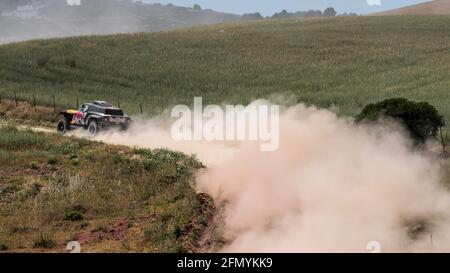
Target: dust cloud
{"type": "Point", "coordinates": [332, 186]}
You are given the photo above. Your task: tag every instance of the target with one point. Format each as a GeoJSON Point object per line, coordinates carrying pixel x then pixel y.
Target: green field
{"type": "Point", "coordinates": [341, 62]}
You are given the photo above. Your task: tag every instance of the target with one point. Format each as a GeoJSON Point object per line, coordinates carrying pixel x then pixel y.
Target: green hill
{"type": "Point", "coordinates": [434, 7]}
{"type": "Point", "coordinates": [55, 189]}
{"type": "Point", "coordinates": [25, 19]}
{"type": "Point", "coordinates": [341, 62]}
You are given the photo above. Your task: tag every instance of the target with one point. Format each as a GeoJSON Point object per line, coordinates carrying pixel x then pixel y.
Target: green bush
{"type": "Point", "coordinates": [34, 165]}
{"type": "Point", "coordinates": [421, 119]}
{"type": "Point", "coordinates": [74, 161]}
{"type": "Point", "coordinates": [3, 247]}
{"type": "Point", "coordinates": [52, 160]}
{"type": "Point", "coordinates": [44, 241]}
{"type": "Point", "coordinates": [73, 216]}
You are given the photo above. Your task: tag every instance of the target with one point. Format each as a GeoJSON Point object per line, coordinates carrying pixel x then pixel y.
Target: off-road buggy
{"type": "Point", "coordinates": [93, 117]}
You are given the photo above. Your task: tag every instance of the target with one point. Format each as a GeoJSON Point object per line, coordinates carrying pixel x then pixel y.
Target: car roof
{"type": "Point", "coordinates": [102, 103]}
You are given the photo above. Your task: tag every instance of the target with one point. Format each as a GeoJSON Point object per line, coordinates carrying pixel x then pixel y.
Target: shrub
{"type": "Point", "coordinates": [52, 160]}
{"type": "Point", "coordinates": [34, 165]}
{"type": "Point", "coordinates": [117, 159]}
{"type": "Point", "coordinates": [44, 241]}
{"type": "Point", "coordinates": [74, 161]}
{"type": "Point", "coordinates": [421, 119]}
{"type": "Point", "coordinates": [3, 247]}
{"type": "Point", "coordinates": [73, 216]}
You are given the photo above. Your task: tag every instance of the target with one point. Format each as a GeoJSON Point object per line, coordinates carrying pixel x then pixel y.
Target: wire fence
{"type": "Point", "coordinates": [52, 101]}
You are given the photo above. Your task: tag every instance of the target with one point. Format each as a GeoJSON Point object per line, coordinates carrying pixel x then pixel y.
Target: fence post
{"type": "Point", "coordinates": [34, 102]}
{"type": "Point", "coordinates": [54, 104]}
{"type": "Point", "coordinates": [15, 98]}
{"type": "Point", "coordinates": [118, 103]}
{"type": "Point", "coordinates": [140, 106]}
{"type": "Point", "coordinates": [78, 104]}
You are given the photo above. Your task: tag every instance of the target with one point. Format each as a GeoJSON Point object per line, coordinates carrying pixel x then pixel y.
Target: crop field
{"type": "Point", "coordinates": [343, 63]}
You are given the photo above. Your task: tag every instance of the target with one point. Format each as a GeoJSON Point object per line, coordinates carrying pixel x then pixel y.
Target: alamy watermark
{"type": "Point", "coordinates": [255, 122]}
{"type": "Point", "coordinates": [374, 2]}
{"type": "Point", "coordinates": [73, 2]}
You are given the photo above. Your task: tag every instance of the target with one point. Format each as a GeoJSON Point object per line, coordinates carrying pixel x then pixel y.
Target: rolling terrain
{"type": "Point", "coordinates": [54, 18]}
{"type": "Point", "coordinates": [56, 189]}
{"type": "Point", "coordinates": [343, 63]}
{"type": "Point", "coordinates": [123, 199]}
{"type": "Point", "coordinates": [436, 7]}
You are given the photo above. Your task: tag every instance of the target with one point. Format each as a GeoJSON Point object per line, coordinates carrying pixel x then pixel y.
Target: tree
{"type": "Point", "coordinates": [351, 14]}
{"type": "Point", "coordinates": [314, 13]}
{"type": "Point", "coordinates": [421, 119]}
{"type": "Point", "coordinates": [252, 16]}
{"type": "Point", "coordinates": [197, 7]}
{"type": "Point", "coordinates": [282, 15]}
{"type": "Point", "coordinates": [329, 12]}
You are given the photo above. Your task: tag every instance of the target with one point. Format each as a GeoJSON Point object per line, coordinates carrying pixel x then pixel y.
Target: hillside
{"type": "Point", "coordinates": [56, 189]}
{"type": "Point", "coordinates": [54, 18]}
{"type": "Point", "coordinates": [436, 7]}
{"type": "Point", "coordinates": [343, 63]}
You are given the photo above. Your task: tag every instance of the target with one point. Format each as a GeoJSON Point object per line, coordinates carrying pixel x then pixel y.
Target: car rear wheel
{"type": "Point", "coordinates": [92, 128]}
{"type": "Point", "coordinates": [63, 126]}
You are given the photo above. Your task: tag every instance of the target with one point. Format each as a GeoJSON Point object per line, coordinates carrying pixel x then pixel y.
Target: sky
{"type": "Point", "coordinates": [268, 7]}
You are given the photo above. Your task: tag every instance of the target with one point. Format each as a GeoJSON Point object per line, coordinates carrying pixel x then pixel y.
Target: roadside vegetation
{"type": "Point", "coordinates": [26, 114]}
{"type": "Point", "coordinates": [421, 119]}
{"type": "Point", "coordinates": [56, 189]}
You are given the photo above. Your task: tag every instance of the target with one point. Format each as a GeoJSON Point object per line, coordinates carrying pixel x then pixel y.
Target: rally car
{"type": "Point", "coordinates": [92, 117]}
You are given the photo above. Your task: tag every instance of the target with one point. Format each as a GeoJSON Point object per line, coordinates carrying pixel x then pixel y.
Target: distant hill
{"type": "Point", "coordinates": [55, 18]}
{"type": "Point", "coordinates": [437, 7]}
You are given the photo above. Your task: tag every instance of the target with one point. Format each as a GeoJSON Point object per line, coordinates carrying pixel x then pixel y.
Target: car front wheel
{"type": "Point", "coordinates": [92, 128]}
{"type": "Point", "coordinates": [62, 126]}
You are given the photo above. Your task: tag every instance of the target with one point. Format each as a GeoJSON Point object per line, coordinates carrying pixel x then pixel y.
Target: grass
{"type": "Point", "coordinates": [118, 199]}
{"type": "Point", "coordinates": [343, 63]}
{"type": "Point", "coordinates": [25, 113]}
{"type": "Point", "coordinates": [142, 199]}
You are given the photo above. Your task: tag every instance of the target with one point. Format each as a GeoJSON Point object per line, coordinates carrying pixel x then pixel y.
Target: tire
{"type": "Point", "coordinates": [63, 126]}
{"type": "Point", "coordinates": [93, 128]}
